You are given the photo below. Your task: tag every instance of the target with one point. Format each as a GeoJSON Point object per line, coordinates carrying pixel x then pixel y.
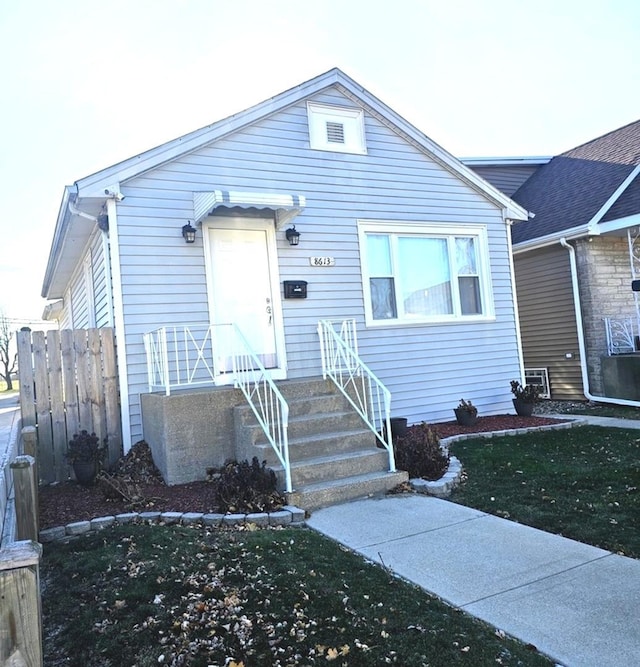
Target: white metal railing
{"type": "Point", "coordinates": [192, 355]}
{"type": "Point", "coordinates": [621, 335]}
{"type": "Point", "coordinates": [185, 355]}
{"type": "Point", "coordinates": [368, 396]}
{"type": "Point", "coordinates": [268, 404]}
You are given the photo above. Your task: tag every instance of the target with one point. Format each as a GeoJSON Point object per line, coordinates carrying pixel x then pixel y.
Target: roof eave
{"type": "Point", "coordinates": [71, 235]}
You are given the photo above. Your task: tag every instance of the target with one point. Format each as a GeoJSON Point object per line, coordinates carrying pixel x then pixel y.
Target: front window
{"type": "Point", "coordinates": [424, 273]}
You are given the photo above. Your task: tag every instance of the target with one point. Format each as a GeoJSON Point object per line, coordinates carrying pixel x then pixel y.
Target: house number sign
{"type": "Point", "coordinates": [322, 261]}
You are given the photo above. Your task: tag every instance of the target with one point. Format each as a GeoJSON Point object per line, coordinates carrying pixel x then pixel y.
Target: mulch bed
{"type": "Point", "coordinates": [67, 502]}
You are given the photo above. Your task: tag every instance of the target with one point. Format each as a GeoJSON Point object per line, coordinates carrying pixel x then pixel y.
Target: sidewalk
{"type": "Point", "coordinates": [9, 415]}
{"type": "Point", "coordinates": [576, 603]}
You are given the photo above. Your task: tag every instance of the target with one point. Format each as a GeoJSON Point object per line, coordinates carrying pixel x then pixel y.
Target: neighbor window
{"type": "Point", "coordinates": [424, 273]}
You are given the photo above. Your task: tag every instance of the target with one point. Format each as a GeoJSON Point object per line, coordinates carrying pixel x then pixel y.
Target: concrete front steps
{"type": "Point", "coordinates": [333, 455]}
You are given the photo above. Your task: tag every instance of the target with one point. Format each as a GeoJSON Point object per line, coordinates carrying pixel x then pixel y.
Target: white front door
{"type": "Point", "coordinates": [243, 287]}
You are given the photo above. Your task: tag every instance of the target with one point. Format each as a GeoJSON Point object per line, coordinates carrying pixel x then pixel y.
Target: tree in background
{"type": "Point", "coordinates": [8, 360]}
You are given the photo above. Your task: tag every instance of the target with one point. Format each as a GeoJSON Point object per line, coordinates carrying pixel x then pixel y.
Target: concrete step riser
{"type": "Point", "coordinates": [338, 468]}
{"type": "Point", "coordinates": [319, 405]}
{"type": "Point", "coordinates": [350, 490]}
{"type": "Point", "coordinates": [312, 426]}
{"type": "Point", "coordinates": [312, 448]}
{"type": "Point", "coordinates": [306, 388]}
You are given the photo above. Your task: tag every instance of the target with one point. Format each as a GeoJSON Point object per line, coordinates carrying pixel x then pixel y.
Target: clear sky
{"type": "Point", "coordinates": [88, 83]}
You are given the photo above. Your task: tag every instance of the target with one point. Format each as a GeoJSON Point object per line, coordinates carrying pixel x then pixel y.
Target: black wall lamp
{"type": "Point", "coordinates": [189, 233]}
{"type": "Point", "coordinates": [293, 235]}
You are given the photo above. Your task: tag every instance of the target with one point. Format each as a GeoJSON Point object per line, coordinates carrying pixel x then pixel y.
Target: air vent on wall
{"type": "Point", "coordinates": [335, 133]}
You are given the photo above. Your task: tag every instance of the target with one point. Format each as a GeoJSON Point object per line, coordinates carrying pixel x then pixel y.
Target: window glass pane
{"type": "Point", "coordinates": [378, 255]}
{"type": "Point", "coordinates": [383, 299]}
{"type": "Point", "coordinates": [470, 301]}
{"type": "Point", "coordinates": [466, 263]}
{"type": "Point", "coordinates": [424, 275]}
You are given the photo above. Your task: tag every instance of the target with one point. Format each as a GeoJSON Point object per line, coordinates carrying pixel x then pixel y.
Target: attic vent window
{"type": "Point", "coordinates": [337, 129]}
{"type": "Point", "coordinates": [335, 133]}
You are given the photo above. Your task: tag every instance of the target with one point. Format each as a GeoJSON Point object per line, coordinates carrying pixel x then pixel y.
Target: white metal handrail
{"type": "Point", "coordinates": [368, 396]}
{"type": "Point", "coordinates": [186, 355]}
{"type": "Point", "coordinates": [193, 355]}
{"type": "Point", "coordinates": [268, 404]}
{"type": "Point", "coordinates": [621, 335]}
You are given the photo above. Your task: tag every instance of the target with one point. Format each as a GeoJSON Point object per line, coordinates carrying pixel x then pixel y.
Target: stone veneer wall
{"type": "Point", "coordinates": [604, 276]}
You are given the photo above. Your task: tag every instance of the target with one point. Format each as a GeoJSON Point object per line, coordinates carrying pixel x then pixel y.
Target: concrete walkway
{"type": "Point", "coordinates": [9, 415]}
{"type": "Point", "coordinates": [578, 604]}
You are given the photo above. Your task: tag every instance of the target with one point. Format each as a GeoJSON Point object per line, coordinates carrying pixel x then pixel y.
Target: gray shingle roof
{"type": "Point", "coordinates": [572, 188]}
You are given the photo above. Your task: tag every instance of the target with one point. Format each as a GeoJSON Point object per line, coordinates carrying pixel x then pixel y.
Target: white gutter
{"type": "Point", "coordinates": [581, 345]}
{"type": "Point", "coordinates": [551, 239]}
{"type": "Point", "coordinates": [82, 214]}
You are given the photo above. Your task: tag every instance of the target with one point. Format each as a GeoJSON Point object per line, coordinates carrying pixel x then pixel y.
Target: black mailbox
{"type": "Point", "coordinates": [635, 285]}
{"type": "Point", "coordinates": [295, 289]}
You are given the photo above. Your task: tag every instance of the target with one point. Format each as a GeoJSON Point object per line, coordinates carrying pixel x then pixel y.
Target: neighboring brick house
{"type": "Point", "coordinates": [574, 264]}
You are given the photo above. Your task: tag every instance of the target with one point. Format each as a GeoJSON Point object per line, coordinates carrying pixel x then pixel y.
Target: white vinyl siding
{"type": "Point", "coordinates": [87, 301]}
{"type": "Point", "coordinates": [425, 366]}
{"type": "Point", "coordinates": [101, 283]}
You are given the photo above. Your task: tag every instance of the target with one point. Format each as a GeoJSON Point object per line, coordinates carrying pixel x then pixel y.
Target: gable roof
{"type": "Point", "coordinates": [90, 193]}
{"type": "Point", "coordinates": [592, 183]}
{"type": "Point", "coordinates": [95, 184]}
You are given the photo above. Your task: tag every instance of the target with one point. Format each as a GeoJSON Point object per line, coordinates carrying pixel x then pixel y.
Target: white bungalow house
{"type": "Point", "coordinates": [316, 234]}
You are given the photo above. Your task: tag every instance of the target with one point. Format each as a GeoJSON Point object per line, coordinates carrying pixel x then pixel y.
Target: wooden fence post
{"type": "Point", "coordinates": [20, 619]}
{"type": "Point", "coordinates": [30, 441]}
{"type": "Point", "coordinates": [25, 486]}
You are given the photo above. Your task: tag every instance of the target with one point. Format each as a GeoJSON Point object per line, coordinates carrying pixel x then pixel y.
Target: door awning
{"type": "Point", "coordinates": [286, 206]}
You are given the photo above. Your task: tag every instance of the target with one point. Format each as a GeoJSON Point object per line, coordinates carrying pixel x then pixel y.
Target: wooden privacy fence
{"type": "Point", "coordinates": [68, 382]}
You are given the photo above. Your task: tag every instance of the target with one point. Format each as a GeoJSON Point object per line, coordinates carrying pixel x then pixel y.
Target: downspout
{"type": "Point", "coordinates": [581, 344]}
{"type": "Point", "coordinates": [118, 318]}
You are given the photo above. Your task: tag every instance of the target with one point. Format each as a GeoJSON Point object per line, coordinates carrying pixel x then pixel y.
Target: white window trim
{"type": "Point", "coordinates": [428, 229]}
{"type": "Point", "coordinates": [352, 120]}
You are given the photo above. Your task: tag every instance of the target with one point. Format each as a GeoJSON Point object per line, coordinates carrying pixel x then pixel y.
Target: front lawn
{"type": "Point", "coordinates": [140, 595]}
{"type": "Point", "coordinates": [583, 483]}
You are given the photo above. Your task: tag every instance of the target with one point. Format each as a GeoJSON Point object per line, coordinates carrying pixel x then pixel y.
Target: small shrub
{"type": "Point", "coordinates": [85, 448]}
{"type": "Point", "coordinates": [246, 487]}
{"type": "Point", "coordinates": [529, 393]}
{"type": "Point", "coordinates": [467, 406]}
{"type": "Point", "coordinates": [420, 454]}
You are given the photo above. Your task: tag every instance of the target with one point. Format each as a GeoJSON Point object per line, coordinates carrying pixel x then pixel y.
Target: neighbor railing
{"type": "Point", "coordinates": [192, 355]}
{"type": "Point", "coordinates": [368, 396]}
{"type": "Point", "coordinates": [621, 335]}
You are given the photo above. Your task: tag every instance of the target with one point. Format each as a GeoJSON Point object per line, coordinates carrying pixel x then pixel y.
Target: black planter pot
{"type": "Point", "coordinates": [465, 418]}
{"type": "Point", "coordinates": [523, 408]}
{"type": "Point", "coordinates": [85, 472]}
{"type": "Point", "coordinates": [398, 426]}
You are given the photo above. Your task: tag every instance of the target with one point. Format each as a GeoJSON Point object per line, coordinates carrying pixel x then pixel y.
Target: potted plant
{"type": "Point", "coordinates": [525, 397]}
{"type": "Point", "coordinates": [85, 455]}
{"type": "Point", "coordinates": [466, 413]}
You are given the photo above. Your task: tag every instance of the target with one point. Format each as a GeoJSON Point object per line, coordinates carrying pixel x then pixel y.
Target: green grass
{"type": "Point", "coordinates": [131, 594]}
{"type": "Point", "coordinates": [583, 483]}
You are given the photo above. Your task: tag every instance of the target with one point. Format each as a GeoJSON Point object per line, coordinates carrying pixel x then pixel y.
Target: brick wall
{"type": "Point", "coordinates": [604, 277]}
